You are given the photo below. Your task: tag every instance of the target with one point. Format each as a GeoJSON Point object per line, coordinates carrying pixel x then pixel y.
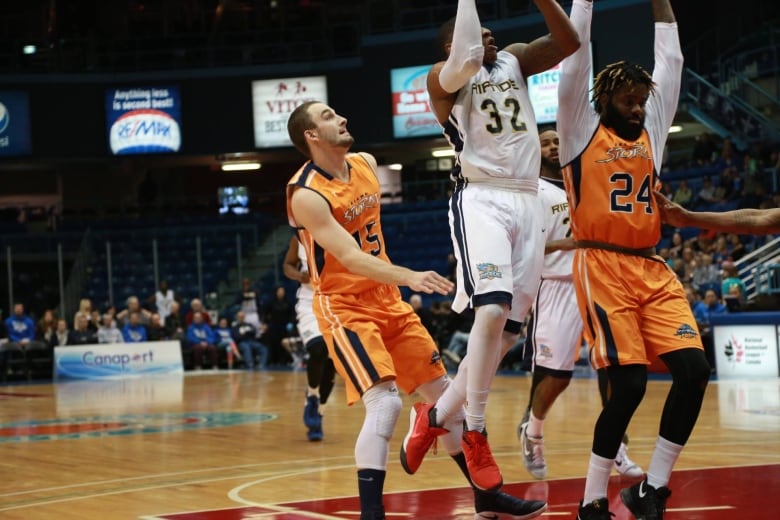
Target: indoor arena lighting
{"type": "Point", "coordinates": [674, 129]}
{"type": "Point", "coordinates": [443, 152]}
{"type": "Point", "coordinates": [240, 166]}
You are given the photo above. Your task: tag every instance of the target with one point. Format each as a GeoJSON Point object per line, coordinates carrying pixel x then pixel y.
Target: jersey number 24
{"type": "Point", "coordinates": [623, 197]}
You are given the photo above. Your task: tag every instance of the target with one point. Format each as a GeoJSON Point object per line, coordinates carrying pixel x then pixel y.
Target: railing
{"type": "Point", "coordinates": [72, 286]}
{"type": "Point", "coordinates": [728, 115]}
{"type": "Point", "coordinates": [750, 267]}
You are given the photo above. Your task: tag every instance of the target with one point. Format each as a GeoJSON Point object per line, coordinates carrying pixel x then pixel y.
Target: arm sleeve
{"type": "Point", "coordinates": [667, 75]}
{"type": "Point", "coordinates": [576, 118]}
{"type": "Point", "coordinates": [466, 52]}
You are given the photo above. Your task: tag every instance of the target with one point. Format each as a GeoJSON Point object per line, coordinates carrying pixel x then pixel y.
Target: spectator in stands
{"type": "Point", "coordinates": [706, 274]}
{"type": "Point", "coordinates": [688, 258]}
{"type": "Point", "coordinates": [728, 158]}
{"type": "Point", "coordinates": [133, 305]}
{"type": "Point", "coordinates": [162, 300]}
{"type": "Point", "coordinates": [737, 247]}
{"type": "Point", "coordinates": [95, 320]}
{"type": "Point", "coordinates": [174, 328]}
{"type": "Point", "coordinates": [21, 330]}
{"type": "Point", "coordinates": [683, 194]}
{"type": "Point", "coordinates": [85, 307]}
{"type": "Point", "coordinates": [247, 337]}
{"type": "Point", "coordinates": [223, 335]}
{"type": "Point", "coordinates": [706, 195]}
{"type": "Point", "coordinates": [676, 247]}
{"type": "Point", "coordinates": [278, 314]}
{"type": "Point", "coordinates": [248, 298]}
{"type": "Point", "coordinates": [728, 185]}
{"type": "Point", "coordinates": [731, 278]}
{"type": "Point", "coordinates": [667, 190]}
{"type": "Point", "coordinates": [705, 150]}
{"type": "Point", "coordinates": [201, 338]}
{"type": "Point", "coordinates": [720, 250]}
{"type": "Point", "coordinates": [424, 313]}
{"type": "Point", "coordinates": [108, 331]}
{"type": "Point", "coordinates": [46, 327]}
{"type": "Point", "coordinates": [712, 306]}
{"type": "Point", "coordinates": [196, 305]}
{"type": "Point", "coordinates": [81, 333]}
{"type": "Point", "coordinates": [156, 331]}
{"type": "Point", "coordinates": [61, 334]}
{"type": "Point", "coordinates": [734, 299]}
{"type": "Point", "coordinates": [134, 331]}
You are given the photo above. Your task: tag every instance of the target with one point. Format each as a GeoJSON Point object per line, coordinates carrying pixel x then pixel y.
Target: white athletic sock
{"type": "Point", "coordinates": [662, 462]}
{"type": "Point", "coordinates": [476, 402]}
{"type": "Point", "coordinates": [313, 391]}
{"type": "Point", "coordinates": [597, 480]}
{"type": "Point", "coordinates": [535, 426]}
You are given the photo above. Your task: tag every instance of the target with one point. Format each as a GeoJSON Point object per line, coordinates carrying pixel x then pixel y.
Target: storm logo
{"type": "Point", "coordinates": [145, 131]}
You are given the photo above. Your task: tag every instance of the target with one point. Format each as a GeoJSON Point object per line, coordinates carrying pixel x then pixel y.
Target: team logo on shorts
{"type": "Point", "coordinates": [488, 271]}
{"type": "Point", "coordinates": [686, 331]}
{"type": "Point", "coordinates": [545, 351]}
{"type": "Point", "coordinates": [435, 357]}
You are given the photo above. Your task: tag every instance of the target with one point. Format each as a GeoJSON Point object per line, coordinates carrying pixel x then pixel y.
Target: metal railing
{"type": "Point", "coordinates": [750, 267]}
{"type": "Point", "coordinates": [729, 116]}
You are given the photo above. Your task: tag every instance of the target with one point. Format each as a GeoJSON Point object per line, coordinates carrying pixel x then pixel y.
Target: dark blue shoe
{"type": "Point", "coordinates": [311, 412]}
{"type": "Point", "coordinates": [315, 434]}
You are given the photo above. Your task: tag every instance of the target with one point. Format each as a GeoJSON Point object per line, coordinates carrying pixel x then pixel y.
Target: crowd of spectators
{"type": "Point", "coordinates": [207, 338]}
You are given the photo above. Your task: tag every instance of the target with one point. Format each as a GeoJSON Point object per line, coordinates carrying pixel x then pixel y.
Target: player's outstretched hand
{"type": "Point", "coordinates": [430, 282]}
{"type": "Point", "coordinates": [671, 213]}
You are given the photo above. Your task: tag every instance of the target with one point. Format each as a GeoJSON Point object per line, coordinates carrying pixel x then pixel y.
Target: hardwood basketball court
{"type": "Point", "coordinates": [232, 445]}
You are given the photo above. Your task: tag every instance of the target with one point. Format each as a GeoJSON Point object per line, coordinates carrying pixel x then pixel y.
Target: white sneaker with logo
{"type": "Point", "coordinates": [533, 453]}
{"type": "Point", "coordinates": [625, 466]}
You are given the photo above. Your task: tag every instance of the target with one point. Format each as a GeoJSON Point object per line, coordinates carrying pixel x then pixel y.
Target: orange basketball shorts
{"type": "Point", "coordinates": [633, 308]}
{"type": "Point", "coordinates": [375, 336]}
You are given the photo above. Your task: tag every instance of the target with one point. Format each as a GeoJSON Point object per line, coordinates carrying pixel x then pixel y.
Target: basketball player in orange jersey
{"type": "Point", "coordinates": [747, 221]}
{"type": "Point", "coordinates": [374, 338]}
{"type": "Point", "coordinates": [480, 97]}
{"type": "Point", "coordinates": [632, 305]}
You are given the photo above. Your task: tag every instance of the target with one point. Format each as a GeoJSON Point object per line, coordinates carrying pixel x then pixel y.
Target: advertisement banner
{"type": "Point", "coordinates": [746, 350]}
{"type": "Point", "coordinates": [543, 91]}
{"type": "Point", "coordinates": [14, 123]}
{"type": "Point", "coordinates": [412, 114]}
{"type": "Point", "coordinates": [117, 360]}
{"type": "Point", "coordinates": [274, 100]}
{"type": "Point", "coordinates": [143, 120]}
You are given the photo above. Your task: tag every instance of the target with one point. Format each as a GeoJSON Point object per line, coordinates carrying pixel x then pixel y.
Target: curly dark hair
{"type": "Point", "coordinates": [617, 74]}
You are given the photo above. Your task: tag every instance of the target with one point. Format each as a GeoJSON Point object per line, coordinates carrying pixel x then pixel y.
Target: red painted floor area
{"type": "Point", "coordinates": [742, 493]}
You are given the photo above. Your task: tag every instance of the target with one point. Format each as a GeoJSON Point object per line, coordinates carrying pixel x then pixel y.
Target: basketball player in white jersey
{"type": "Point", "coordinates": [555, 328]}
{"type": "Point", "coordinates": [320, 372]}
{"type": "Point", "coordinates": [480, 97]}
{"type": "Point", "coordinates": [163, 299]}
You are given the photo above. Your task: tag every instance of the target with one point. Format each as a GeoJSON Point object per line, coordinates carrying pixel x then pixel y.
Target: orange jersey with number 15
{"type": "Point", "coordinates": [609, 187]}
{"type": "Point", "coordinates": [355, 206]}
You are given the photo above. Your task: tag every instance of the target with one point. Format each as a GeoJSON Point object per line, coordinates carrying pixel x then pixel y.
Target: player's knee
{"type": "Point", "coordinates": [689, 367]}
{"type": "Point", "coordinates": [628, 384]}
{"type": "Point", "coordinates": [492, 311]}
{"type": "Point", "coordinates": [383, 407]}
{"type": "Point", "coordinates": [430, 391]}
{"type": "Point", "coordinates": [317, 349]}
